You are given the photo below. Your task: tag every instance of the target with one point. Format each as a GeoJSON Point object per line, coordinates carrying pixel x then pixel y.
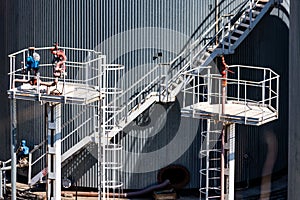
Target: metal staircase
{"type": "Point", "coordinates": [167, 80]}
{"type": "Point", "coordinates": [233, 30]}
{"type": "Point", "coordinates": [160, 84]}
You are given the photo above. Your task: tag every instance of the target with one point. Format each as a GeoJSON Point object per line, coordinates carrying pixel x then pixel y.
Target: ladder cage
{"type": "Point", "coordinates": [210, 160]}
{"type": "Point", "coordinates": [110, 154]}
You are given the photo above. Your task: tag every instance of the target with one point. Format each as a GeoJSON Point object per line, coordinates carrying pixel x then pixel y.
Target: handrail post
{"type": "Point", "coordinates": [238, 84]}
{"type": "Point", "coordinates": [166, 81]}
{"type": "Point", "coordinates": [1, 186]}
{"type": "Point", "coordinates": [229, 32]}
{"type": "Point", "coordinates": [223, 34]}
{"type": "Point", "coordinates": [264, 87]}
{"type": "Point", "coordinates": [4, 179]}
{"type": "Point", "coordinates": [250, 12]}
{"type": "Point", "coordinates": [160, 83]}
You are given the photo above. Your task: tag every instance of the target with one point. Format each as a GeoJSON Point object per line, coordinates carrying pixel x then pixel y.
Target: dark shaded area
{"type": "Point", "coordinates": [267, 46]}
{"type": "Point", "coordinates": [178, 175]}
{"type": "Point", "coordinates": [4, 115]}
{"type": "Point", "coordinates": [294, 108]}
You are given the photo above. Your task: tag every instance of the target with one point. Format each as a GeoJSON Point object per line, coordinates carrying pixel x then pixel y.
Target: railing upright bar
{"type": "Point", "coordinates": [277, 95]}
{"type": "Point", "coordinates": [1, 184]}
{"type": "Point", "coordinates": [29, 167]}
{"type": "Point", "coordinates": [238, 85]}
{"type": "Point", "coordinates": [263, 88]}
{"type": "Point", "coordinates": [250, 12]}
{"type": "Point", "coordinates": [245, 100]}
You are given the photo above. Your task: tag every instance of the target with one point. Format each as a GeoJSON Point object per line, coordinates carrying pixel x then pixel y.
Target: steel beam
{"type": "Point", "coordinates": [53, 151]}
{"type": "Point", "coordinates": [13, 117]}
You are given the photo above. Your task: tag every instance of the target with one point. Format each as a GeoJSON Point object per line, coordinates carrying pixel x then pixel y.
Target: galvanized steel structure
{"type": "Point", "coordinates": [98, 24]}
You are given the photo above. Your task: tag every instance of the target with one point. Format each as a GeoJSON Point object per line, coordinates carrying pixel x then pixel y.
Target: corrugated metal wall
{"type": "Point", "coordinates": [111, 26]}
{"type": "Point", "coordinates": [266, 46]}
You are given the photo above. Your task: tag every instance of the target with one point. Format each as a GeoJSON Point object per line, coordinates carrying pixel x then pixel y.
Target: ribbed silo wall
{"type": "Point", "coordinates": [294, 125]}
{"type": "Point", "coordinates": [4, 124]}
{"type": "Point", "coordinates": [258, 147]}
{"type": "Point", "coordinates": [129, 33]}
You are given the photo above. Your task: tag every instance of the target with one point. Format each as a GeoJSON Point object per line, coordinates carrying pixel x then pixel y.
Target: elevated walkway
{"type": "Point", "coordinates": [248, 100]}
{"type": "Point", "coordinates": [79, 83]}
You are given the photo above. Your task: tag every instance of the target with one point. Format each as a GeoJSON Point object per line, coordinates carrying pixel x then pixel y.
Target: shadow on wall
{"type": "Point", "coordinates": [268, 46]}
{"type": "Point", "coordinates": [81, 164]}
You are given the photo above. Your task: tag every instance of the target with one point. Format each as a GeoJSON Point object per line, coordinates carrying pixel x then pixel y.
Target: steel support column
{"type": "Point", "coordinates": [13, 118]}
{"type": "Point", "coordinates": [231, 160]}
{"type": "Point", "coordinates": [53, 151]}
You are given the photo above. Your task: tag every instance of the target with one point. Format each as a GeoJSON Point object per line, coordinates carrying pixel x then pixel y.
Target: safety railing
{"type": "Point", "coordinates": [256, 89]}
{"type": "Point", "coordinates": [36, 160]}
{"type": "Point", "coordinates": [129, 99]}
{"type": "Point", "coordinates": [82, 69]}
{"type": "Point", "coordinates": [76, 127]}
{"type": "Point", "coordinates": [191, 56]}
{"type": "Point", "coordinates": [83, 123]}
{"type": "Point", "coordinates": [4, 166]}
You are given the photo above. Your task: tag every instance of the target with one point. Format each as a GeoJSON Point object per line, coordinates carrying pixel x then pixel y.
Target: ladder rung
{"type": "Point", "coordinates": [226, 171]}
{"type": "Point", "coordinates": [226, 146]}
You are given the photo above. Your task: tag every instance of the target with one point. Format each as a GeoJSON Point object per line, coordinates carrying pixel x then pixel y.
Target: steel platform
{"type": "Point", "coordinates": [68, 93]}
{"type": "Point", "coordinates": [235, 112]}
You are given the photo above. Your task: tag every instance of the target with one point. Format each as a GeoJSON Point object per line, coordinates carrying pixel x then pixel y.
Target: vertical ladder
{"type": "Point", "coordinates": [210, 155]}
{"type": "Point", "coordinates": [109, 153]}
{"type": "Point", "coordinates": [212, 173]}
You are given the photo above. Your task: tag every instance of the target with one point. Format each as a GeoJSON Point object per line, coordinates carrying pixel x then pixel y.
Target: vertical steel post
{"type": "Point", "coordinates": [1, 186]}
{"type": "Point", "coordinates": [263, 88]}
{"type": "Point", "coordinates": [54, 151]}
{"type": "Point", "coordinates": [102, 107]}
{"type": "Point", "coordinates": [231, 159]}
{"type": "Point", "coordinates": [166, 68]}
{"type": "Point", "coordinates": [209, 127]}
{"type": "Point", "coordinates": [223, 163]}
{"type": "Point", "coordinates": [102, 154]}
{"type": "Point", "coordinates": [29, 167]}
{"type": "Point", "coordinates": [217, 18]}
{"type": "Point", "coordinates": [250, 12]}
{"type": "Point", "coordinates": [13, 117]}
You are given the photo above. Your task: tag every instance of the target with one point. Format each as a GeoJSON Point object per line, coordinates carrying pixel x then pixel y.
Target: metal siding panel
{"type": "Point", "coordinates": [266, 46]}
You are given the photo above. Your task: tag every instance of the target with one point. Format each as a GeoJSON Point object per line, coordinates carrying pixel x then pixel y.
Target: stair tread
{"type": "Point", "coordinates": [244, 25]}
{"type": "Point", "coordinates": [233, 37]}
{"type": "Point", "coordinates": [248, 18]}
{"type": "Point", "coordinates": [260, 5]}
{"type": "Point", "coordinates": [226, 43]}
{"type": "Point", "coordinates": [239, 31]}
{"type": "Point", "coordinates": [253, 11]}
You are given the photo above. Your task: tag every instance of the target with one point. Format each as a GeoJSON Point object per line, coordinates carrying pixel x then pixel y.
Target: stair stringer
{"type": "Point", "coordinates": [133, 114]}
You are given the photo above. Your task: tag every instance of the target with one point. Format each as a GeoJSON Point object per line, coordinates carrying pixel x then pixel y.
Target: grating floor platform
{"type": "Point", "coordinates": [235, 112]}
{"type": "Point", "coordinates": [69, 93]}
